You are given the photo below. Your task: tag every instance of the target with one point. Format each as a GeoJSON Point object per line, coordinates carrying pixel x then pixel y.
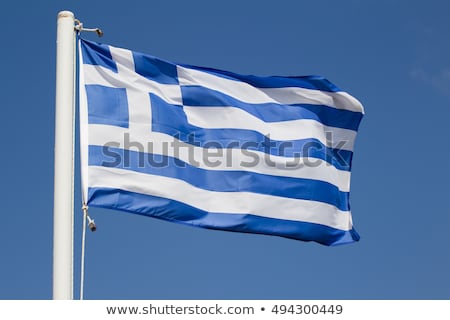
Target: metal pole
{"type": "Point", "coordinates": [64, 159]}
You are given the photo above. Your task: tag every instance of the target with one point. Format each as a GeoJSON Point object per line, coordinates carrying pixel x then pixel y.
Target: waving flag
{"type": "Point", "coordinates": [215, 149]}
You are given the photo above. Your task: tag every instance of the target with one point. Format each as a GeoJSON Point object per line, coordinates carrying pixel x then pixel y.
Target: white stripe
{"type": "Point", "coordinates": [247, 93]}
{"type": "Point", "coordinates": [231, 159]}
{"type": "Point", "coordinates": [123, 58]}
{"type": "Point", "coordinates": [223, 202]}
{"type": "Point", "coordinates": [236, 118]}
{"type": "Point", "coordinates": [340, 100]}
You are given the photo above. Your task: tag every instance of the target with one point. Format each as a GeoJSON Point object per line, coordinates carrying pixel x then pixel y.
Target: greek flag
{"type": "Point", "coordinates": [216, 149]}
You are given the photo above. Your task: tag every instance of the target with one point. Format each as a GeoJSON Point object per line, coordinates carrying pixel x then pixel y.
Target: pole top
{"type": "Point", "coordinates": [65, 14]}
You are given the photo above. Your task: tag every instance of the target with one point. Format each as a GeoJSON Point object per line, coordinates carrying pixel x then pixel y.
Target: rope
{"type": "Point", "coordinates": [74, 101]}
{"type": "Point", "coordinates": [92, 227]}
{"type": "Point", "coordinates": [83, 245]}
{"type": "Point", "coordinates": [78, 28]}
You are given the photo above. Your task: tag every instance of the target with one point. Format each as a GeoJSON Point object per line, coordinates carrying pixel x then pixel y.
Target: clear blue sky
{"type": "Point", "coordinates": [393, 55]}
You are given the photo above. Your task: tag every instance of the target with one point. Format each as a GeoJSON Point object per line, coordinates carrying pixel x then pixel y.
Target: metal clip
{"type": "Point", "coordinates": [79, 27]}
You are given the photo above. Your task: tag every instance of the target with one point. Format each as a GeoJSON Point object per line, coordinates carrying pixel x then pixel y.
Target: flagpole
{"type": "Point", "coordinates": [64, 159]}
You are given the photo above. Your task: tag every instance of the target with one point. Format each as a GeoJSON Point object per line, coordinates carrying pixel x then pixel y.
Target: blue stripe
{"type": "Point", "coordinates": [171, 120]}
{"type": "Point", "coordinates": [97, 54]}
{"type": "Point", "coordinates": [174, 211]}
{"type": "Point", "coordinates": [218, 180]}
{"type": "Point", "coordinates": [272, 112]}
{"type": "Point", "coordinates": [307, 82]}
{"type": "Point", "coordinates": [155, 69]}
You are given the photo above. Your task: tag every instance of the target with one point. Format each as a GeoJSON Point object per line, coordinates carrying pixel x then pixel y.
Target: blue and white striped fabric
{"type": "Point", "coordinates": [215, 149]}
